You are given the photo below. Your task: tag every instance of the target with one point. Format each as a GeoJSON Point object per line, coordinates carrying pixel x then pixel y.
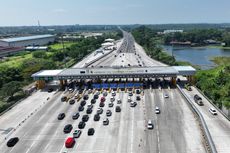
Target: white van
{"type": "Point", "coordinates": [150, 124]}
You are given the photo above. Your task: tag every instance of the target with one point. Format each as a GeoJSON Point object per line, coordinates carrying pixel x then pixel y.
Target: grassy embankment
{"type": "Point", "coordinates": [215, 83]}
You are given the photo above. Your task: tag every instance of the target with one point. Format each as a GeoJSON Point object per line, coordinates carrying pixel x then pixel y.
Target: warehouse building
{"type": "Point", "coordinates": [36, 40]}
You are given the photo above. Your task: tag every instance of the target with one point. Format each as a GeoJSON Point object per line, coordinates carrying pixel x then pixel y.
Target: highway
{"type": "Point", "coordinates": [176, 129]}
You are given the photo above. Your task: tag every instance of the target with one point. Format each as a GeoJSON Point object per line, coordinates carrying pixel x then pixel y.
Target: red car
{"type": "Point", "coordinates": [69, 142]}
{"type": "Point", "coordinates": [102, 99]}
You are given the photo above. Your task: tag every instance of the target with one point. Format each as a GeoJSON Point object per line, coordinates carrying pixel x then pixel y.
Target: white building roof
{"type": "Point", "coordinates": [26, 38]}
{"type": "Point", "coordinates": [109, 40]}
{"type": "Point", "coordinates": [107, 44]}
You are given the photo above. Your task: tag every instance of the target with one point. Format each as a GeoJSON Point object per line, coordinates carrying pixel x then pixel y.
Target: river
{"type": "Point", "coordinates": [196, 55]}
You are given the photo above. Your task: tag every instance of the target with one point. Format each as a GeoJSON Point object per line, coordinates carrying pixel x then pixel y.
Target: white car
{"type": "Point", "coordinates": [150, 125]}
{"type": "Point", "coordinates": [106, 121]}
{"type": "Point", "coordinates": [118, 101]}
{"type": "Point", "coordinates": [166, 95]}
{"type": "Point", "coordinates": [133, 104]}
{"type": "Point", "coordinates": [157, 110]}
{"type": "Point", "coordinates": [129, 99]}
{"type": "Point", "coordinates": [113, 93]}
{"type": "Point", "coordinates": [112, 99]}
{"type": "Point", "coordinates": [212, 111]}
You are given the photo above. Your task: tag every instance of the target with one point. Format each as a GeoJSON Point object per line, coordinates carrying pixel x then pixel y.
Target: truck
{"type": "Point", "coordinates": [198, 100]}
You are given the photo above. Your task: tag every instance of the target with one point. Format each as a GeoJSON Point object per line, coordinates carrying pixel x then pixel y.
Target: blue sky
{"type": "Point", "coordinates": [63, 12]}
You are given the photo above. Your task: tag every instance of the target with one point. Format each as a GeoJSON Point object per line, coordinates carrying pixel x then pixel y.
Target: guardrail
{"type": "Point", "coordinates": [202, 121]}
{"type": "Point", "coordinates": [210, 101]}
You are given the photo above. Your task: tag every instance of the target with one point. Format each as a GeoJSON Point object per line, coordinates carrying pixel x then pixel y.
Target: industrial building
{"type": "Point", "coordinates": [36, 40]}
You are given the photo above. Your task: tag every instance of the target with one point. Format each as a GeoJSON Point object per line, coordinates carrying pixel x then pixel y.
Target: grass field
{"type": "Point", "coordinates": [15, 61]}
{"type": "Point", "coordinates": [220, 60]}
{"type": "Point", "coordinates": [59, 45]}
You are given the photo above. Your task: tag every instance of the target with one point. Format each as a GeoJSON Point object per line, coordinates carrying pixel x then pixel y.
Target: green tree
{"type": "Point", "coordinates": [39, 54]}
{"type": "Point", "coordinates": [9, 89]}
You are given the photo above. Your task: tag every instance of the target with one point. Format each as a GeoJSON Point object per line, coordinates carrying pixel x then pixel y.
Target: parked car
{"type": "Point", "coordinates": [118, 101]}
{"type": "Point", "coordinates": [67, 128]}
{"type": "Point", "coordinates": [133, 104]}
{"type": "Point", "coordinates": [102, 99]}
{"type": "Point", "coordinates": [138, 91]}
{"type": "Point", "coordinates": [106, 121]}
{"type": "Point", "coordinates": [130, 94]}
{"type": "Point", "coordinates": [61, 116]}
{"type": "Point", "coordinates": [95, 96]}
{"type": "Point", "coordinates": [102, 104]}
{"type": "Point", "coordinates": [118, 109]}
{"type": "Point", "coordinates": [81, 125]}
{"type": "Point", "coordinates": [129, 99]}
{"type": "Point", "coordinates": [112, 99]}
{"type": "Point", "coordinates": [138, 98]}
{"type": "Point", "coordinates": [80, 108]}
{"type": "Point", "coordinates": [105, 93]}
{"type": "Point", "coordinates": [86, 97]}
{"type": "Point", "coordinates": [83, 102]}
{"type": "Point", "coordinates": [110, 104]}
{"type": "Point", "coordinates": [12, 141]}
{"type": "Point", "coordinates": [50, 90]}
{"type": "Point", "coordinates": [75, 116]}
{"type": "Point", "coordinates": [113, 93]}
{"type": "Point", "coordinates": [64, 98]}
{"type": "Point", "coordinates": [85, 118]}
{"type": "Point", "coordinates": [90, 106]}
{"type": "Point", "coordinates": [89, 110]}
{"type": "Point", "coordinates": [99, 111]}
{"type": "Point", "coordinates": [91, 131]}
{"type": "Point", "coordinates": [76, 133]}
{"type": "Point", "coordinates": [212, 111]}
{"type": "Point", "coordinates": [72, 101]}
{"type": "Point", "coordinates": [69, 143]}
{"type": "Point", "coordinates": [108, 113]}
{"type": "Point", "coordinates": [93, 101]}
{"type": "Point", "coordinates": [96, 117]}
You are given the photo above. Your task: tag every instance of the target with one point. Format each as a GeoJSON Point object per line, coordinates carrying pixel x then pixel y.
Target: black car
{"type": "Point", "coordinates": [64, 98]}
{"type": "Point", "coordinates": [96, 117]}
{"type": "Point", "coordinates": [85, 118]}
{"type": "Point", "coordinates": [95, 97]}
{"type": "Point", "coordinates": [50, 90]}
{"type": "Point", "coordinates": [91, 131]}
{"type": "Point", "coordinates": [80, 92]}
{"type": "Point", "coordinates": [83, 102]}
{"type": "Point", "coordinates": [93, 101]}
{"type": "Point", "coordinates": [102, 104]}
{"type": "Point", "coordinates": [81, 125]}
{"type": "Point", "coordinates": [89, 111]}
{"type": "Point", "coordinates": [75, 116]}
{"type": "Point", "coordinates": [86, 97]}
{"type": "Point", "coordinates": [118, 109]}
{"type": "Point", "coordinates": [72, 101]}
{"type": "Point", "coordinates": [68, 128]}
{"type": "Point", "coordinates": [12, 141]}
{"type": "Point", "coordinates": [138, 91]}
{"type": "Point", "coordinates": [80, 108]}
{"type": "Point", "coordinates": [61, 116]}
{"type": "Point", "coordinates": [138, 98]}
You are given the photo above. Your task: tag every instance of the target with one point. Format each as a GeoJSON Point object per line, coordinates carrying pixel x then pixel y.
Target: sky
{"type": "Point", "coordinates": [68, 12]}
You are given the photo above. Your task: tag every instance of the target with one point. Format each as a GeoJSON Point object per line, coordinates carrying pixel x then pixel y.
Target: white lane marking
{"type": "Point", "coordinates": [132, 132]}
